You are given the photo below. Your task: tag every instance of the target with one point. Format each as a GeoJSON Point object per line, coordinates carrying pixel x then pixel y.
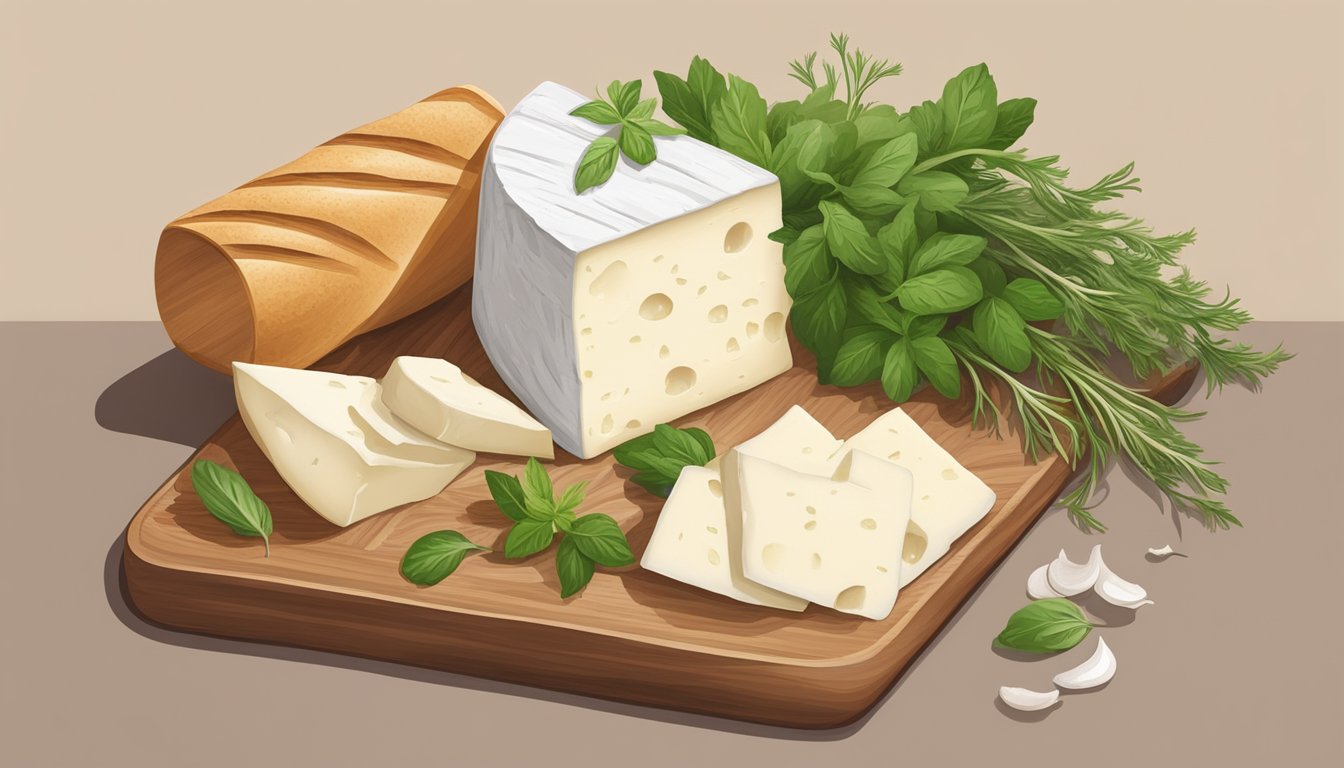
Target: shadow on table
{"type": "Point", "coordinates": [114, 586]}
{"type": "Point", "coordinates": [170, 398]}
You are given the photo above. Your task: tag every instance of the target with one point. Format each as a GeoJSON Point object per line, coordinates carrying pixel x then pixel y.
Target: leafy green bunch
{"type": "Point", "coordinates": [635, 128]}
{"type": "Point", "coordinates": [918, 247]}
{"type": "Point", "coordinates": [538, 516]}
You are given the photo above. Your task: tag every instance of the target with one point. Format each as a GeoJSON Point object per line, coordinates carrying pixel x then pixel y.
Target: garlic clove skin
{"type": "Point", "coordinates": [1027, 700]}
{"type": "Point", "coordinates": [1069, 578]}
{"type": "Point", "coordinates": [1117, 591]}
{"type": "Point", "coordinates": [1038, 586]}
{"type": "Point", "coordinates": [1166, 551]}
{"type": "Point", "coordinates": [1097, 670]}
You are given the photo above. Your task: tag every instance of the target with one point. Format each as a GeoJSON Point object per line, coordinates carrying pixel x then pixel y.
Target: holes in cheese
{"type": "Point", "coordinates": [738, 238]}
{"type": "Point", "coordinates": [774, 326]}
{"type": "Point", "coordinates": [680, 379]}
{"type": "Point", "coordinates": [916, 543]}
{"type": "Point", "coordinates": [753, 328]}
{"type": "Point", "coordinates": [718, 313]}
{"type": "Point", "coordinates": [612, 281]}
{"type": "Point", "coordinates": [656, 306]}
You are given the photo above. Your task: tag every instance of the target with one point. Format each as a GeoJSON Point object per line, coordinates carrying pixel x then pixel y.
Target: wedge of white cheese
{"type": "Point", "coordinates": [834, 541]}
{"type": "Point", "coordinates": [335, 443]}
{"type": "Point", "coordinates": [437, 398]}
{"type": "Point", "coordinates": [690, 543]}
{"type": "Point", "coordinates": [948, 499]}
{"type": "Point", "coordinates": [650, 296]}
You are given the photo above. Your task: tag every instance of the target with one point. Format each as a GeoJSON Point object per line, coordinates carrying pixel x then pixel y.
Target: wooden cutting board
{"type": "Point", "coordinates": [632, 635]}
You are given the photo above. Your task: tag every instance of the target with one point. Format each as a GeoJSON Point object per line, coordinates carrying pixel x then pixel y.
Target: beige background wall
{"type": "Point", "coordinates": [118, 116]}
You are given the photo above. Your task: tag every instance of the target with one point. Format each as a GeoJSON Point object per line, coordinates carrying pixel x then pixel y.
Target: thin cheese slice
{"type": "Point", "coordinates": [948, 499]}
{"type": "Point", "coordinates": [834, 541]}
{"type": "Point", "coordinates": [796, 441]}
{"type": "Point", "coordinates": [690, 542]}
{"type": "Point", "coordinates": [337, 446]}
{"type": "Point", "coordinates": [437, 398]}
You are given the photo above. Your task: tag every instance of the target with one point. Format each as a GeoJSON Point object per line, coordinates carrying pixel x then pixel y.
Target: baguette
{"type": "Point", "coordinates": [361, 231]}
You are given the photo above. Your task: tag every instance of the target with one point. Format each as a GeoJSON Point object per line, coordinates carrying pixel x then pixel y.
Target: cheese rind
{"type": "Point", "coordinates": [437, 398]}
{"type": "Point", "coordinates": [335, 443]}
{"type": "Point", "coordinates": [690, 543]}
{"type": "Point", "coordinates": [835, 541]}
{"type": "Point", "coordinates": [651, 296]}
{"type": "Point", "coordinates": [947, 499]}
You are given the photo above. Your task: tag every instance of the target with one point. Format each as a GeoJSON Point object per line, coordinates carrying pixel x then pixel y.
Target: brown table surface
{"type": "Point", "coordinates": [1236, 664]}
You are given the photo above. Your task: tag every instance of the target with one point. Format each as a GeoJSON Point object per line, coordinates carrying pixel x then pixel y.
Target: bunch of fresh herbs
{"type": "Point", "coordinates": [920, 248]}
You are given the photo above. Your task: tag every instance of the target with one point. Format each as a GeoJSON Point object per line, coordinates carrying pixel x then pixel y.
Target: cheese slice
{"type": "Point", "coordinates": [948, 499]}
{"type": "Point", "coordinates": [337, 445]}
{"type": "Point", "coordinates": [437, 398]}
{"type": "Point", "coordinates": [690, 543]}
{"type": "Point", "coordinates": [638, 301]}
{"type": "Point", "coordinates": [795, 441]}
{"type": "Point", "coordinates": [833, 541]}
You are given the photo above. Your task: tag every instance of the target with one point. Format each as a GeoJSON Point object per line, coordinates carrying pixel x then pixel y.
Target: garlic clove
{"type": "Point", "coordinates": [1038, 586]}
{"type": "Point", "coordinates": [1097, 670]}
{"type": "Point", "coordinates": [1162, 553]}
{"type": "Point", "coordinates": [1028, 701]}
{"type": "Point", "coordinates": [1117, 591]}
{"type": "Point", "coordinates": [1069, 578]}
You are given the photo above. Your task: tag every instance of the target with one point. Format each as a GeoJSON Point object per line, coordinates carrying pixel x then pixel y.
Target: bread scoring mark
{"type": "Point", "coordinates": [288, 255]}
{"type": "Point", "coordinates": [354, 180]}
{"type": "Point", "coordinates": [413, 147]}
{"type": "Point", "coordinates": [333, 233]}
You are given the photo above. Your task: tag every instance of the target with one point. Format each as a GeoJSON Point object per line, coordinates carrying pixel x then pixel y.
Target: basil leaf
{"type": "Point", "coordinates": [927, 121]}
{"type": "Point", "coordinates": [867, 307]}
{"type": "Point", "coordinates": [890, 162]}
{"type": "Point", "coordinates": [1045, 626]}
{"type": "Point", "coordinates": [434, 556]}
{"type": "Point", "coordinates": [849, 241]}
{"type": "Point", "coordinates": [706, 443]}
{"type": "Point", "coordinates": [882, 123]}
{"type": "Point", "coordinates": [707, 86]}
{"type": "Point", "coordinates": [940, 292]}
{"type": "Point", "coordinates": [636, 143]}
{"type": "Point", "coordinates": [899, 239]}
{"type": "Point", "coordinates": [782, 116]}
{"type": "Point", "coordinates": [935, 360]}
{"type": "Point", "coordinates": [643, 110]}
{"type": "Point", "coordinates": [872, 199]}
{"type": "Point", "coordinates": [738, 120]}
{"type": "Point", "coordinates": [1002, 332]}
{"type": "Point", "coordinates": [507, 492]}
{"type": "Point", "coordinates": [990, 274]}
{"type": "Point", "coordinates": [228, 497]}
{"type": "Point", "coordinates": [859, 359]}
{"type": "Point", "coordinates": [818, 319]}
{"type": "Point", "coordinates": [1014, 118]}
{"type": "Point", "coordinates": [574, 568]}
{"type": "Point", "coordinates": [658, 127]}
{"type": "Point", "coordinates": [528, 537]}
{"type": "Point", "coordinates": [598, 112]}
{"type": "Point", "coordinates": [538, 495]}
{"type": "Point", "coordinates": [970, 108]}
{"type": "Point", "coordinates": [599, 537]}
{"type": "Point", "coordinates": [944, 250]}
{"type": "Point", "coordinates": [925, 325]}
{"type": "Point", "coordinates": [678, 445]}
{"type": "Point", "coordinates": [936, 190]}
{"type": "Point", "coordinates": [655, 483]}
{"type": "Point", "coordinates": [1032, 300]}
{"type": "Point", "coordinates": [627, 98]}
{"type": "Point", "coordinates": [597, 164]}
{"type": "Point", "coordinates": [571, 498]}
{"type": "Point", "coordinates": [788, 162]}
{"type": "Point", "coordinates": [899, 374]}
{"type": "Point", "coordinates": [807, 263]}
{"type": "Point", "coordinates": [682, 106]}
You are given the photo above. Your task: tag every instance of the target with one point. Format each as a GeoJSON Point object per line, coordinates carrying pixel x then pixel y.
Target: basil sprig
{"type": "Point", "coordinates": [635, 129]}
{"type": "Point", "coordinates": [228, 497]}
{"type": "Point", "coordinates": [434, 556]}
